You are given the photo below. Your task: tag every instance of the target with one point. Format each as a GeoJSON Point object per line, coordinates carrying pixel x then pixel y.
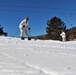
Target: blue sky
{"type": "Point", "coordinates": [12, 12]}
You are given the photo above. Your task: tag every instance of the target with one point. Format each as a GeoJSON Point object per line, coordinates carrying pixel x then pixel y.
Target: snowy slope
{"type": "Point", "coordinates": [40, 57]}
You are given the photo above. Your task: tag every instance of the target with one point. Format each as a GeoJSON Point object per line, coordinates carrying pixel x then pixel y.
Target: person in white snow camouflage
{"type": "Point", "coordinates": [23, 28]}
{"type": "Point", "coordinates": [63, 35]}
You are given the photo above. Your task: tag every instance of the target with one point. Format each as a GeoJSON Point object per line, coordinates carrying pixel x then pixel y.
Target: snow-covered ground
{"type": "Point", "coordinates": [40, 57]}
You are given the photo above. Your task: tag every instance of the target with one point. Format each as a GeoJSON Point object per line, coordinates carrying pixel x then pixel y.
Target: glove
{"type": "Point", "coordinates": [23, 26]}
{"type": "Point", "coordinates": [29, 28]}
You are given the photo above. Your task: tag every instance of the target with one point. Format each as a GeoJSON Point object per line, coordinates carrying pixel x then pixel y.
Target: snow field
{"type": "Point", "coordinates": [40, 57]}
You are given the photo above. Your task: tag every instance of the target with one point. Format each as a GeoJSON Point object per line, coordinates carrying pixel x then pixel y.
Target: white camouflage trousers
{"type": "Point", "coordinates": [23, 32]}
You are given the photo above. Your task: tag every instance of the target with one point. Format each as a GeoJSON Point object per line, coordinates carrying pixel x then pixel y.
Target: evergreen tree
{"type": "Point", "coordinates": [2, 32]}
{"type": "Point", "coordinates": [54, 27]}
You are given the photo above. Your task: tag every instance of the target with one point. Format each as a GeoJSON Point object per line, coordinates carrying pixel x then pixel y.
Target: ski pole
{"type": "Point", "coordinates": [16, 33]}
{"type": "Point", "coordinates": [30, 33]}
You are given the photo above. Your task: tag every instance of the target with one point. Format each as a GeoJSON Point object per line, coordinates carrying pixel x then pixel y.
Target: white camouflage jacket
{"type": "Point", "coordinates": [23, 23]}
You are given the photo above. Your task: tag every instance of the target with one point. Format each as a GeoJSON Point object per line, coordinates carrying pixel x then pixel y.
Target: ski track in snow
{"type": "Point", "coordinates": [19, 67]}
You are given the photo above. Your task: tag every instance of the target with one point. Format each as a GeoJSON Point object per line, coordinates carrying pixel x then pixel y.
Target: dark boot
{"type": "Point", "coordinates": [22, 38]}
{"type": "Point", "coordinates": [29, 38]}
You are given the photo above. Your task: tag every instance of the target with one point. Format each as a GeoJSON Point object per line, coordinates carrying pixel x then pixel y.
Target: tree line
{"type": "Point", "coordinates": [54, 28]}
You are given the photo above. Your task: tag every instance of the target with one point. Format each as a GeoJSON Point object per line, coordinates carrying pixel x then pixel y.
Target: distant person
{"type": "Point", "coordinates": [24, 25]}
{"type": "Point", "coordinates": [63, 35]}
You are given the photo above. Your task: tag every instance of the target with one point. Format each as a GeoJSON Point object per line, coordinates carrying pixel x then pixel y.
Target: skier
{"type": "Point", "coordinates": [24, 25]}
{"type": "Point", "coordinates": [63, 35]}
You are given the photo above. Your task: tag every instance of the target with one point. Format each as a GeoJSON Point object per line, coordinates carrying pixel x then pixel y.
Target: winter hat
{"type": "Point", "coordinates": [27, 18]}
